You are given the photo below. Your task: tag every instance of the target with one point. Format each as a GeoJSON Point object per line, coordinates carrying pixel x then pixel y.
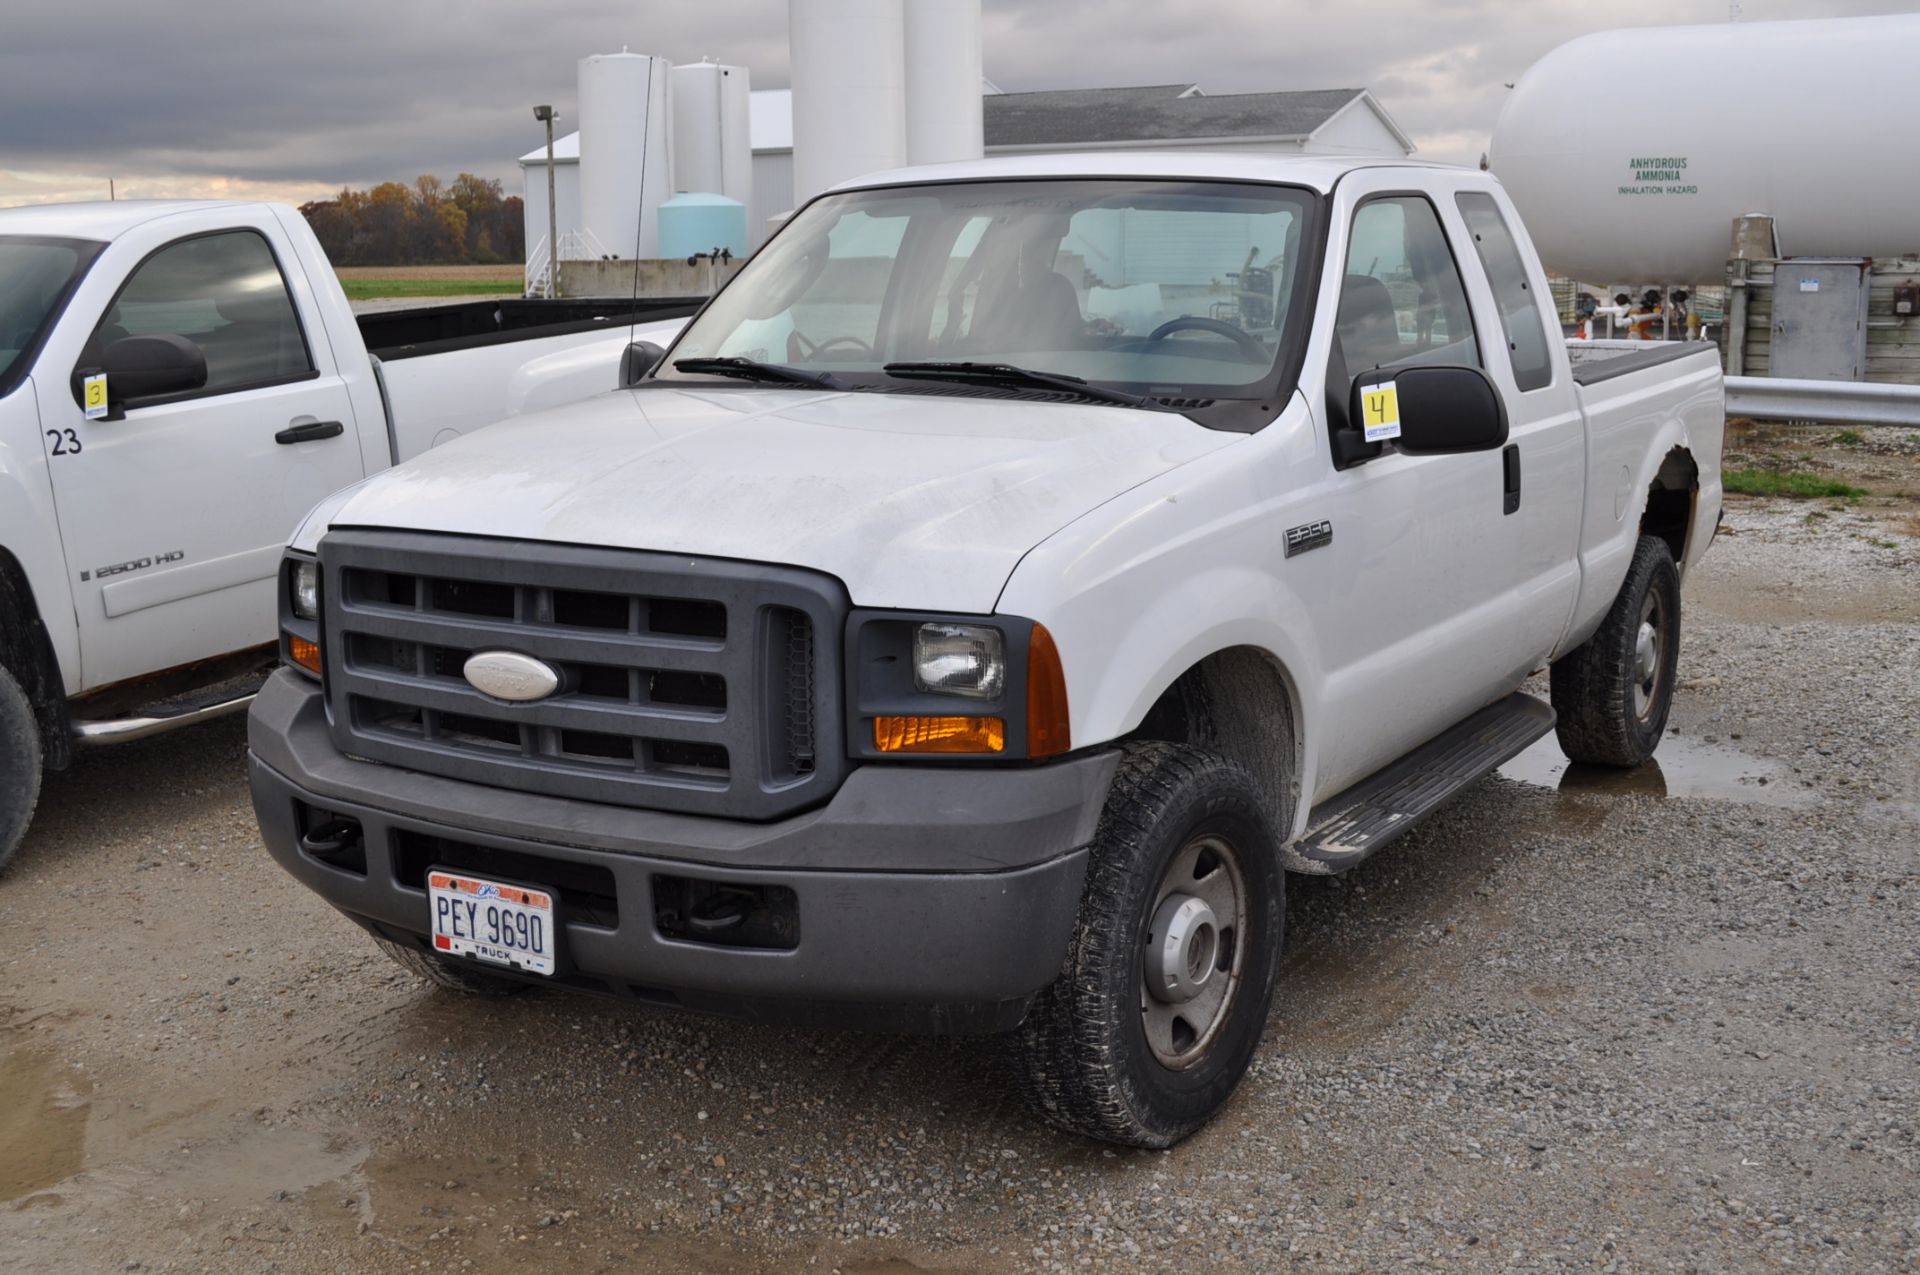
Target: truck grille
{"type": "Point", "coordinates": [708, 687]}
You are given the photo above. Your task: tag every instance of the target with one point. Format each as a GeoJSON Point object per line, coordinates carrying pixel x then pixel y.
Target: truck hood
{"type": "Point", "coordinates": [912, 501]}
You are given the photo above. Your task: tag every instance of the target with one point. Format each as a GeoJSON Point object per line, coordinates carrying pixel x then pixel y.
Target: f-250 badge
{"type": "Point", "coordinates": [1310, 535]}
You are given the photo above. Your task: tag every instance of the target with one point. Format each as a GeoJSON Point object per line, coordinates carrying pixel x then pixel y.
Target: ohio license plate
{"type": "Point", "coordinates": [499, 923]}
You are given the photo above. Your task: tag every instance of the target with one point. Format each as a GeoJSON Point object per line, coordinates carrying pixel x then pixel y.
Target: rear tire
{"type": "Point", "coordinates": [1612, 694]}
{"type": "Point", "coordinates": [21, 763]}
{"type": "Point", "coordinates": [1157, 1014]}
{"type": "Point", "coordinates": [447, 974]}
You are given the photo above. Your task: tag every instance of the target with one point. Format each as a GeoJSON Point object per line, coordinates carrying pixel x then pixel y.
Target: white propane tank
{"type": "Point", "coordinates": [849, 101]}
{"type": "Point", "coordinates": [943, 81]}
{"type": "Point", "coordinates": [712, 147]}
{"type": "Point", "coordinates": [1629, 153]}
{"type": "Point", "coordinates": [626, 151]}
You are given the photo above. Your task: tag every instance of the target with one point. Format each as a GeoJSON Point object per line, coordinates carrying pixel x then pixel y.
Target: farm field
{"type": "Point", "coordinates": [370, 283]}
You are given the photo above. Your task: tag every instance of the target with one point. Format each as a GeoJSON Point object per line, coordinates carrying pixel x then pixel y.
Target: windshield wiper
{"type": "Point", "coordinates": [1007, 376]}
{"type": "Point", "coordinates": [754, 370]}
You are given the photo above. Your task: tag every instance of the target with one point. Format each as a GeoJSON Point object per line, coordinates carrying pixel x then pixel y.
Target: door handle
{"type": "Point", "coordinates": [1510, 478]}
{"type": "Point", "coordinates": [310, 432]}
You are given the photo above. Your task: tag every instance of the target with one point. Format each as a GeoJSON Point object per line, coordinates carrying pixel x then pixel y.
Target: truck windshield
{"type": "Point", "coordinates": [36, 277]}
{"type": "Point", "coordinates": [1171, 289]}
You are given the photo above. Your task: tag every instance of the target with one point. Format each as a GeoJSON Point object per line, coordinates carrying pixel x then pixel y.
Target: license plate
{"type": "Point", "coordinates": [499, 923]}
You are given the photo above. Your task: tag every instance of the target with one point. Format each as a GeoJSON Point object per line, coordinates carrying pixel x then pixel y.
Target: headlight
{"type": "Point", "coordinates": [306, 590]}
{"type": "Point", "coordinates": [960, 659]}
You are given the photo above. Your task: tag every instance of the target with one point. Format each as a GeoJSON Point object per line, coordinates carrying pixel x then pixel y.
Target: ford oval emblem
{"type": "Point", "coordinates": [510, 675]}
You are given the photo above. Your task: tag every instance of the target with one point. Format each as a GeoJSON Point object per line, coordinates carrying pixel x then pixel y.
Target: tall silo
{"type": "Point", "coordinates": [626, 151]}
{"type": "Point", "coordinates": [849, 100]}
{"type": "Point", "coordinates": [943, 81]}
{"type": "Point", "coordinates": [712, 141]}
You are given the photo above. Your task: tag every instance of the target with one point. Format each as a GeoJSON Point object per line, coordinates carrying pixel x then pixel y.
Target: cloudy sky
{"type": "Point", "coordinates": [292, 101]}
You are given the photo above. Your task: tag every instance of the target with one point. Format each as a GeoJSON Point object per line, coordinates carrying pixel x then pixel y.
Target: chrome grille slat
{"type": "Point", "coordinates": [732, 710]}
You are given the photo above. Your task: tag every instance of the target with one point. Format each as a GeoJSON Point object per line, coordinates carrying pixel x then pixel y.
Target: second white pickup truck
{"type": "Point", "coordinates": [1012, 574]}
{"type": "Point", "coordinates": [179, 383]}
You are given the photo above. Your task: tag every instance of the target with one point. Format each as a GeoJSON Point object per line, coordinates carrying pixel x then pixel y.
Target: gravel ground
{"type": "Point", "coordinates": [1665, 1022]}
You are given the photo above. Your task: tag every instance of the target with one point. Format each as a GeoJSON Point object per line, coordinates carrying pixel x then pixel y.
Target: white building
{"type": "Point", "coordinates": [1149, 117]}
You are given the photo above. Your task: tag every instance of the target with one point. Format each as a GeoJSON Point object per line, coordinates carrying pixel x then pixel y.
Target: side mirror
{"type": "Point", "coordinates": [640, 358]}
{"type": "Point", "coordinates": [140, 367]}
{"type": "Point", "coordinates": [1429, 410]}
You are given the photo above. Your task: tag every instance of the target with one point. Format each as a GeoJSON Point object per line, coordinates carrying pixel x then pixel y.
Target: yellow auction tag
{"type": "Point", "coordinates": [94, 395]}
{"type": "Point", "coordinates": [1380, 411]}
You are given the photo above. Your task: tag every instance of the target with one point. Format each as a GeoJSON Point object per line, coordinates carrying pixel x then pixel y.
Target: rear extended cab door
{"type": "Point", "coordinates": [173, 517]}
{"type": "Point", "coordinates": [1434, 603]}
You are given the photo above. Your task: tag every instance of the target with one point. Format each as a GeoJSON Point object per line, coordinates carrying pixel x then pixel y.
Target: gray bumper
{"type": "Point", "coordinates": [928, 898]}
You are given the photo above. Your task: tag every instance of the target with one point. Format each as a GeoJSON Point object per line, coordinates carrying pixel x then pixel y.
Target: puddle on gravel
{"type": "Point", "coordinates": [43, 1122]}
{"type": "Point", "coordinates": [1682, 768]}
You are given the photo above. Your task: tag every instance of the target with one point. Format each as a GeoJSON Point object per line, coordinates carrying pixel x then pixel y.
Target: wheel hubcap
{"type": "Point", "coordinates": [1190, 968]}
{"type": "Point", "coordinates": [1646, 655]}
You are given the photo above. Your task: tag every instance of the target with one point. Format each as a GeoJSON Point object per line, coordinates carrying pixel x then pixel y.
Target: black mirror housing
{"type": "Point", "coordinates": [1438, 409]}
{"type": "Point", "coordinates": [640, 358]}
{"type": "Point", "coordinates": [140, 367]}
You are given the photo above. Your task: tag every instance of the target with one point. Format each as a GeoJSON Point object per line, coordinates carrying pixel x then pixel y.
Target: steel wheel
{"type": "Point", "coordinates": [1190, 965]}
{"type": "Point", "coordinates": [1648, 646]}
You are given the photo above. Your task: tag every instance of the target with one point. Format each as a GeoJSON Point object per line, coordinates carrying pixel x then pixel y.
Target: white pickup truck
{"type": "Point", "coordinates": [1007, 579]}
{"type": "Point", "coordinates": [179, 383]}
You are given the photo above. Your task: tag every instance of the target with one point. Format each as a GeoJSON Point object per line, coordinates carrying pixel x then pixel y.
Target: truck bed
{"type": "Point", "coordinates": [467, 325]}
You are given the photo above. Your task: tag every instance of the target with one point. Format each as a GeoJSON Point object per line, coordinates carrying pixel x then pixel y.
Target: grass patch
{"type": "Point", "coordinates": [1849, 438]}
{"type": "Point", "coordinates": [374, 288]}
{"type": "Point", "coordinates": [1793, 485]}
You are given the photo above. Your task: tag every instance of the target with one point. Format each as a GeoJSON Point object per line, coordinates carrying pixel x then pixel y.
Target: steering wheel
{"type": "Point", "coordinates": [1255, 352]}
{"type": "Point", "coordinates": [808, 349]}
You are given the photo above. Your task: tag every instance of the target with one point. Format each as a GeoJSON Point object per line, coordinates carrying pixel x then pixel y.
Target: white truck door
{"type": "Point", "coordinates": [174, 516]}
{"type": "Point", "coordinates": [1418, 637]}
{"type": "Point", "coordinates": [1544, 464]}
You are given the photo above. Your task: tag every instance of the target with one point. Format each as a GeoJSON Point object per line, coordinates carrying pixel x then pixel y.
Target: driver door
{"type": "Point", "coordinates": [174, 516]}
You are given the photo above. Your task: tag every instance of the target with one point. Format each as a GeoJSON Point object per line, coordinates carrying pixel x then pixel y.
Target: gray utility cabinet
{"type": "Point", "coordinates": [1820, 318]}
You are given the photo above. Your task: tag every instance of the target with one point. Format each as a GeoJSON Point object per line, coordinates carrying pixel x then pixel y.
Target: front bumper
{"type": "Point", "coordinates": [928, 898]}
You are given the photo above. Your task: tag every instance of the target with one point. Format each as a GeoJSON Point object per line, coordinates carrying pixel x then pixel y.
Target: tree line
{"type": "Point", "coordinates": [430, 223]}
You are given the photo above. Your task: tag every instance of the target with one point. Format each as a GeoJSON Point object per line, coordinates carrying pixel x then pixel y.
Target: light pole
{"type": "Point", "coordinates": [546, 115]}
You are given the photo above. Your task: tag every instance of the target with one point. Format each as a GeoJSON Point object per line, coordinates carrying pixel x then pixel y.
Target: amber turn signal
{"type": "Point", "coordinates": [304, 653]}
{"type": "Point", "coordinates": [939, 734]}
{"type": "Point", "coordinates": [1047, 729]}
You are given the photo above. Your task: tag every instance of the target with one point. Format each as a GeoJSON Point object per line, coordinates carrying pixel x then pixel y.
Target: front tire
{"type": "Point", "coordinates": [1169, 977]}
{"type": "Point", "coordinates": [454, 977]}
{"type": "Point", "coordinates": [21, 762]}
{"type": "Point", "coordinates": [1612, 693]}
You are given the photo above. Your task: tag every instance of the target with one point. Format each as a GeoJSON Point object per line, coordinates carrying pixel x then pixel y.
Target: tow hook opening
{"type": "Point", "coordinates": [333, 839]}
{"type": "Point", "coordinates": [726, 914]}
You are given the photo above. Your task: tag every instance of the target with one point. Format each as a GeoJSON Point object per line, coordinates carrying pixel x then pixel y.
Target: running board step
{"type": "Point", "coordinates": [1345, 829]}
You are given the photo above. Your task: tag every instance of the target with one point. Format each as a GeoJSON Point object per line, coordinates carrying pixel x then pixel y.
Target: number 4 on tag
{"type": "Point", "coordinates": [1380, 411]}
{"type": "Point", "coordinates": [94, 393]}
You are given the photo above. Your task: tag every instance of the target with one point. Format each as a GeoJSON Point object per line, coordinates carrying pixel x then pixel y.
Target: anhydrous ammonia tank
{"type": "Point", "coordinates": [626, 151]}
{"type": "Point", "coordinates": [849, 102]}
{"type": "Point", "coordinates": [943, 81]}
{"type": "Point", "coordinates": [1629, 153]}
{"type": "Point", "coordinates": [712, 144]}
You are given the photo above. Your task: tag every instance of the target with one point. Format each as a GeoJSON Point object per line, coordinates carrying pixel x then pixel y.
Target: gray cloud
{"type": "Point", "coordinates": [359, 91]}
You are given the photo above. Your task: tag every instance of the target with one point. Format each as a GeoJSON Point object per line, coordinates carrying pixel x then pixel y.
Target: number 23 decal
{"type": "Point", "coordinates": [65, 442]}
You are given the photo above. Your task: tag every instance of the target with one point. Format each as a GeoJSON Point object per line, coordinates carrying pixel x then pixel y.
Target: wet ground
{"type": "Point", "coordinates": [1664, 1020]}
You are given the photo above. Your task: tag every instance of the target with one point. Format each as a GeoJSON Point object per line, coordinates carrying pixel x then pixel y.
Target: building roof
{"type": "Point", "coordinates": [100, 220]}
{"type": "Point", "coordinates": [1094, 117]}
{"type": "Point", "coordinates": [1315, 172]}
{"type": "Point", "coordinates": [1141, 113]}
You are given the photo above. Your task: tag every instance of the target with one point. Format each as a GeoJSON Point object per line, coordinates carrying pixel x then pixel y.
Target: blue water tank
{"type": "Point", "coordinates": [693, 223]}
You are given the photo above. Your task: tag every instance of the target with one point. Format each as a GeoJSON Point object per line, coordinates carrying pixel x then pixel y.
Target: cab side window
{"type": "Point", "coordinates": [224, 292]}
{"type": "Point", "coordinates": [1519, 311]}
{"type": "Point", "coordinates": [1402, 302]}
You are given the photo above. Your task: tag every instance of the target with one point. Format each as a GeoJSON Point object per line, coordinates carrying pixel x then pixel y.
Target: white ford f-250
{"type": "Point", "coordinates": [1006, 579]}
{"type": "Point", "coordinates": [179, 383]}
